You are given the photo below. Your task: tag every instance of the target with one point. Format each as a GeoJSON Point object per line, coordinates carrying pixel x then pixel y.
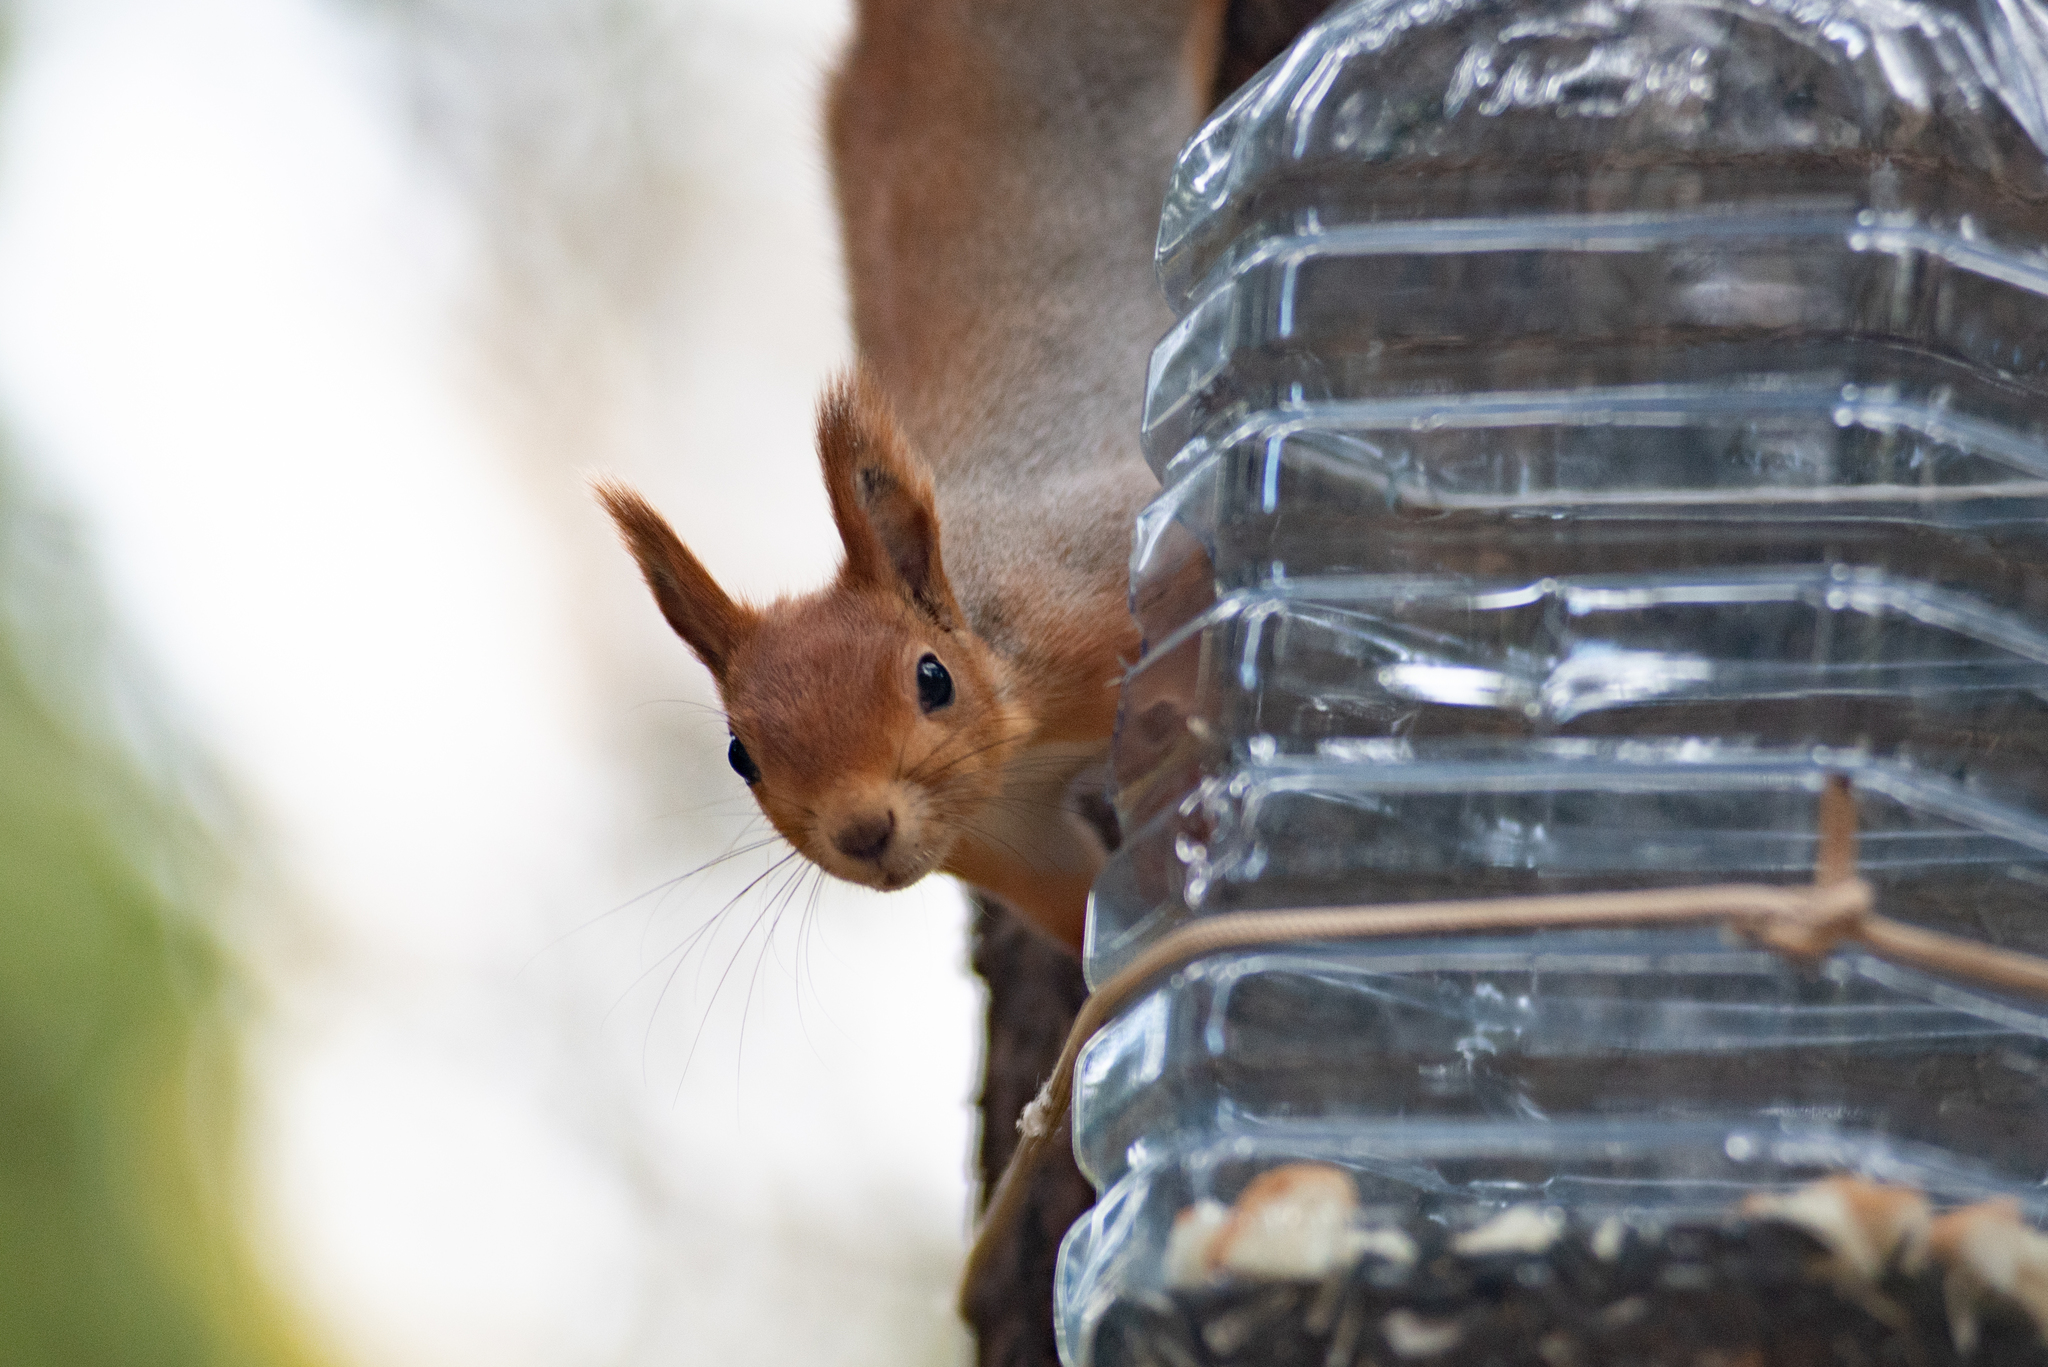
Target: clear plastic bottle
{"type": "Point", "coordinates": [1590, 425]}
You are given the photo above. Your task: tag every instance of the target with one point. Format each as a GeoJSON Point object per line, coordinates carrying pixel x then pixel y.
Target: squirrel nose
{"type": "Point", "coordinates": [866, 837]}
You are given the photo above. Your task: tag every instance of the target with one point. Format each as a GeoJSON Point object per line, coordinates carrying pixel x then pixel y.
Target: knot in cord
{"type": "Point", "coordinates": [1821, 922]}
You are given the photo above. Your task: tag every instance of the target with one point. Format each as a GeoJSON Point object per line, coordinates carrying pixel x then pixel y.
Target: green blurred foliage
{"type": "Point", "coordinates": [118, 1072]}
{"type": "Point", "coordinates": [118, 1075]}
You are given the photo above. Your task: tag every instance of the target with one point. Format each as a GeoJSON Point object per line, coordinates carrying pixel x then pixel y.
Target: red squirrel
{"type": "Point", "coordinates": [999, 167]}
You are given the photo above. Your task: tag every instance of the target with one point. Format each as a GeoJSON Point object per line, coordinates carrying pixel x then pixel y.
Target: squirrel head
{"type": "Point", "coordinates": [870, 722]}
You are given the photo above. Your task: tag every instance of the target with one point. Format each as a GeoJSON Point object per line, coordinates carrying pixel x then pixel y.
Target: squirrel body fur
{"type": "Point", "coordinates": [999, 167]}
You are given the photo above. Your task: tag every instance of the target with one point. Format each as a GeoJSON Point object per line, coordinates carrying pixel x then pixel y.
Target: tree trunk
{"type": "Point", "coordinates": [1034, 989]}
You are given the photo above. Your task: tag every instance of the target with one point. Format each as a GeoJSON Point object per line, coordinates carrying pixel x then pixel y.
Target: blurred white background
{"type": "Point", "coordinates": [319, 312]}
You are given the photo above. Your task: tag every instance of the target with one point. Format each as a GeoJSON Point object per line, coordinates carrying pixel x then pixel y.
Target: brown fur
{"type": "Point", "coordinates": [999, 166]}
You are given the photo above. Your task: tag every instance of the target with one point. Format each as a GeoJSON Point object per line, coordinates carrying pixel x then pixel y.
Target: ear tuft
{"type": "Point", "coordinates": [881, 499]}
{"type": "Point", "coordinates": [701, 613]}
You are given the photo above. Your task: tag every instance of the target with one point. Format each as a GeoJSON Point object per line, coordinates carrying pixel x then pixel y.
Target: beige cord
{"type": "Point", "coordinates": [1805, 924]}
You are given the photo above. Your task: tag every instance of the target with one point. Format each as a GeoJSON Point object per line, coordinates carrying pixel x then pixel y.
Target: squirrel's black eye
{"type": "Point", "coordinates": [934, 684]}
{"type": "Point", "coordinates": [742, 763]}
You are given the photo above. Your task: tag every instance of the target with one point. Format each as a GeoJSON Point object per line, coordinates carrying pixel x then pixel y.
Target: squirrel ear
{"type": "Point", "coordinates": [701, 613]}
{"type": "Point", "coordinates": [882, 499]}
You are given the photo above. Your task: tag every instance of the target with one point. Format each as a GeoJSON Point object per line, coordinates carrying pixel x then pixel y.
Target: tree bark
{"type": "Point", "coordinates": [1034, 989]}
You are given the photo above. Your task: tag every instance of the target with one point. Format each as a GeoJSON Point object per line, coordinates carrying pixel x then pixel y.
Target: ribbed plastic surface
{"type": "Point", "coordinates": [1589, 426]}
